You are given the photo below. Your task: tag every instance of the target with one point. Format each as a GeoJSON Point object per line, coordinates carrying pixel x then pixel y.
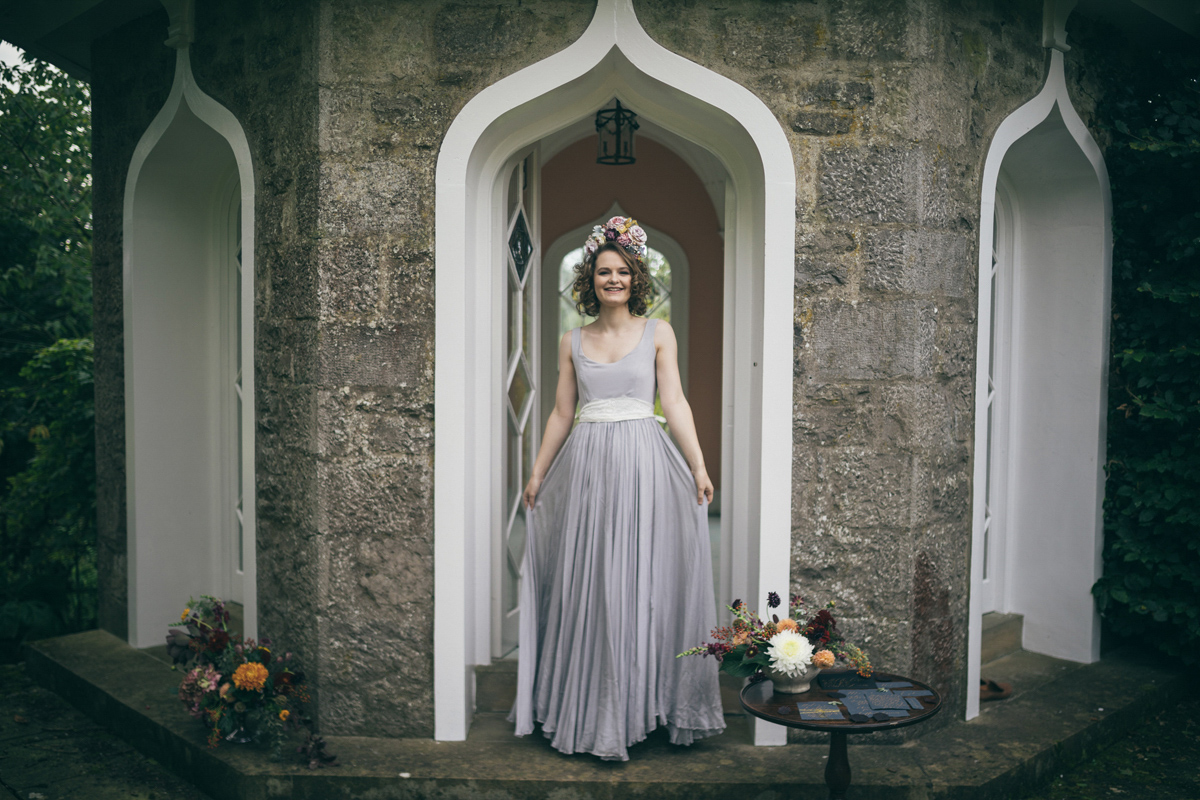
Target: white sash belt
{"type": "Point", "coordinates": [616, 409]}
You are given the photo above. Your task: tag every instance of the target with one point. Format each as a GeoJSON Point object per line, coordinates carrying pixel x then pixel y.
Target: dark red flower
{"type": "Point", "coordinates": [218, 641]}
{"type": "Point", "coordinates": [820, 629]}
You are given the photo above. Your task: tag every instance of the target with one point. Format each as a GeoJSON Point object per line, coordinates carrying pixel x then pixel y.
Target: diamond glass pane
{"type": "Point", "coordinates": [568, 316]}
{"type": "Point", "coordinates": [566, 270]}
{"type": "Point", "coordinates": [661, 310]}
{"type": "Point", "coordinates": [520, 246]}
{"type": "Point", "coordinates": [659, 267]}
{"type": "Point", "coordinates": [512, 469]}
{"type": "Point", "coordinates": [515, 546]}
{"type": "Point", "coordinates": [514, 191]}
{"type": "Point", "coordinates": [526, 189]}
{"type": "Point", "coordinates": [510, 586]}
{"type": "Point", "coordinates": [520, 389]}
{"type": "Point", "coordinates": [529, 457]}
{"type": "Point", "coordinates": [528, 307]}
{"type": "Point", "coordinates": [512, 332]}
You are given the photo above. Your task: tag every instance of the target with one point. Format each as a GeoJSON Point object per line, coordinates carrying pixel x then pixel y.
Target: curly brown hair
{"type": "Point", "coordinates": [641, 288]}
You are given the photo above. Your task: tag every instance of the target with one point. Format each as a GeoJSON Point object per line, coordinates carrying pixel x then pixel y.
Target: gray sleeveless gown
{"type": "Point", "coordinates": [617, 580]}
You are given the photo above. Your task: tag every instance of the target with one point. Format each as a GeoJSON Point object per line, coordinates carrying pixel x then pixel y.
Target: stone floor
{"type": "Point", "coordinates": [50, 751]}
{"type": "Point", "coordinates": [1060, 714]}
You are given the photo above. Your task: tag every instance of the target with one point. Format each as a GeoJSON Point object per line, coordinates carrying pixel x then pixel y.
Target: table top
{"type": "Point", "coordinates": [884, 702]}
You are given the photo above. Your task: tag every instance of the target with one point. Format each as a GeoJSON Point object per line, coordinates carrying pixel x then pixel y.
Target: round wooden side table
{"type": "Point", "coordinates": [838, 705]}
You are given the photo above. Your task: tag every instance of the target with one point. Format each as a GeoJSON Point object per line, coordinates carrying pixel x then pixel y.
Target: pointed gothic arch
{"type": "Point", "coordinates": [1055, 221]}
{"type": "Point", "coordinates": [614, 57]}
{"type": "Point", "coordinates": [188, 292]}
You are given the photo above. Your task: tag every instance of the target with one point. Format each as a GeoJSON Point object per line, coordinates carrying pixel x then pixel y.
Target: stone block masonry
{"type": "Point", "coordinates": [888, 107]}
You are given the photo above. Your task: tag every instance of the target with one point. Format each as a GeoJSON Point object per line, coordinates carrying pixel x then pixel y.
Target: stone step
{"type": "Point", "coordinates": [1001, 636]}
{"type": "Point", "coordinates": [1008, 751]}
{"type": "Point", "coordinates": [496, 688]}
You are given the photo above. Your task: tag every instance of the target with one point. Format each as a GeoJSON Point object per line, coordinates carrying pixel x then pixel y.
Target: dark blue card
{"type": "Point", "coordinates": [844, 680]}
{"type": "Point", "coordinates": [882, 700]}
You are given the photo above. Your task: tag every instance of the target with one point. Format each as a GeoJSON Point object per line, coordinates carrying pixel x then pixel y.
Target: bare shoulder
{"type": "Point", "coordinates": [564, 344]}
{"type": "Point", "coordinates": [664, 334]}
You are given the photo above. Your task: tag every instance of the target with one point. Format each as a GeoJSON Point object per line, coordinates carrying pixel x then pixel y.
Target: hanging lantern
{"type": "Point", "coordinates": [614, 129]}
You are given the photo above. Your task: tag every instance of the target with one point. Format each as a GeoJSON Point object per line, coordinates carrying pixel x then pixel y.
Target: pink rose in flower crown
{"type": "Point", "coordinates": [616, 222]}
{"type": "Point", "coordinates": [624, 240]}
{"type": "Point", "coordinates": [637, 235]}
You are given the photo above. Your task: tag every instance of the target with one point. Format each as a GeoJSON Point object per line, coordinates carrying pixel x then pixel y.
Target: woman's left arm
{"type": "Point", "coordinates": [676, 408]}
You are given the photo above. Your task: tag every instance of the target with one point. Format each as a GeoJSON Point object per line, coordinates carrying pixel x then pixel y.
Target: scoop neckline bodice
{"type": "Point", "coordinates": [636, 347]}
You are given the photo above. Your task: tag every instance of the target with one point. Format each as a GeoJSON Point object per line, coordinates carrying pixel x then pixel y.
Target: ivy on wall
{"type": "Point", "coordinates": [1151, 583]}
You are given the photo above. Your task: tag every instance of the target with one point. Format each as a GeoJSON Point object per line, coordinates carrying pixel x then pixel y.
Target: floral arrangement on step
{"type": "Point", "coordinates": [789, 646]}
{"type": "Point", "coordinates": [240, 689]}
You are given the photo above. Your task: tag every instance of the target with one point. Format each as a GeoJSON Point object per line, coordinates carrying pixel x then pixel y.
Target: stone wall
{"type": "Point", "coordinates": [393, 77]}
{"type": "Point", "coordinates": [258, 60]}
{"type": "Point", "coordinates": [889, 107]}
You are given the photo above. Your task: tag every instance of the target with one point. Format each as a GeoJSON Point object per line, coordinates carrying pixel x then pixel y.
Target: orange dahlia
{"type": "Point", "coordinates": [250, 676]}
{"type": "Point", "coordinates": [823, 659]}
{"type": "Point", "coordinates": [787, 625]}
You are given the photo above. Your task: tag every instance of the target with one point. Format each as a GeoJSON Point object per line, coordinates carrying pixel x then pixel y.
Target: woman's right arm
{"type": "Point", "coordinates": [560, 422]}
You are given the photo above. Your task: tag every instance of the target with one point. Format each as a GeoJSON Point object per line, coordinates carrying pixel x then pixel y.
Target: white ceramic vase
{"type": "Point", "coordinates": [797, 685]}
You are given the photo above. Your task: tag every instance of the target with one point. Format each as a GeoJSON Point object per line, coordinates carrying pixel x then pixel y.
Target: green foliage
{"type": "Point", "coordinates": [48, 514]}
{"type": "Point", "coordinates": [46, 217]}
{"type": "Point", "coordinates": [47, 493]}
{"type": "Point", "coordinates": [1151, 583]}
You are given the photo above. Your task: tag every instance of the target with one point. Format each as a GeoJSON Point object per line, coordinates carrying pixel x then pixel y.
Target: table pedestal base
{"type": "Point", "coordinates": [837, 768]}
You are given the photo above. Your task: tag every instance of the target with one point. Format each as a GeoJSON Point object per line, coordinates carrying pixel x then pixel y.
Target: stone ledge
{"type": "Point", "coordinates": [1010, 749]}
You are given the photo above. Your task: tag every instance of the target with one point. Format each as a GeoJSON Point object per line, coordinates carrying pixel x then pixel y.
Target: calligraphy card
{"type": "Point", "coordinates": [883, 700]}
{"type": "Point", "coordinates": [848, 679]}
{"type": "Point", "coordinates": [856, 703]}
{"type": "Point", "coordinates": [819, 711]}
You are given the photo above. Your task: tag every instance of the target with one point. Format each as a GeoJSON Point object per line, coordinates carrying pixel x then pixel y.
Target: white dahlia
{"type": "Point", "coordinates": [790, 653]}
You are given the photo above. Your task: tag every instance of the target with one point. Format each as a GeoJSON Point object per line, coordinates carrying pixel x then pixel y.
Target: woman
{"type": "Point", "coordinates": [617, 570]}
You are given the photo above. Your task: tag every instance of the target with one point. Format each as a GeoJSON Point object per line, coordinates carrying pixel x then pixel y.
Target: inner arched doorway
{"type": "Point", "coordinates": [492, 135]}
{"type": "Point", "coordinates": [1041, 383]}
{"type": "Point", "coordinates": [558, 194]}
{"type": "Point", "coordinates": [188, 301]}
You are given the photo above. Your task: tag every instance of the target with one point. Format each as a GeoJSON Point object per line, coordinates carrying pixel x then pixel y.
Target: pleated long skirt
{"type": "Point", "coordinates": [617, 580]}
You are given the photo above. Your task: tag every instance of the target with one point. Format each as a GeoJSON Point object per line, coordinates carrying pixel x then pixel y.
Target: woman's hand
{"type": "Point", "coordinates": [704, 487]}
{"type": "Point", "coordinates": [531, 490]}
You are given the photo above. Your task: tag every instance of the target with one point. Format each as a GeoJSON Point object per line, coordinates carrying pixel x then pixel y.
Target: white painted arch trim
{"type": "Point", "coordinates": [185, 92]}
{"type": "Point", "coordinates": [614, 56]}
{"type": "Point", "coordinates": [1053, 94]}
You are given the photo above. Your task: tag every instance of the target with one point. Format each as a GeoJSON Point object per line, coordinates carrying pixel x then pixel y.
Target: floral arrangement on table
{"type": "Point", "coordinates": [789, 647]}
{"type": "Point", "coordinates": [240, 689]}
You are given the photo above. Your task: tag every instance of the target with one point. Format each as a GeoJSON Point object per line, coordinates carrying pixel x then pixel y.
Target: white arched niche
{"type": "Point", "coordinates": [614, 57]}
{"type": "Point", "coordinates": [1039, 466]}
{"type": "Point", "coordinates": [188, 281]}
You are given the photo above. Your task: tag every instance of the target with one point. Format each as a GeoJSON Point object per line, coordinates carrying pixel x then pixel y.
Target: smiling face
{"type": "Point", "coordinates": [598, 282]}
{"type": "Point", "coordinates": [612, 279]}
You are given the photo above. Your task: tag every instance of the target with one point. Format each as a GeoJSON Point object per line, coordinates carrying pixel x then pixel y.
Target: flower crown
{"type": "Point", "coordinates": [624, 231]}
